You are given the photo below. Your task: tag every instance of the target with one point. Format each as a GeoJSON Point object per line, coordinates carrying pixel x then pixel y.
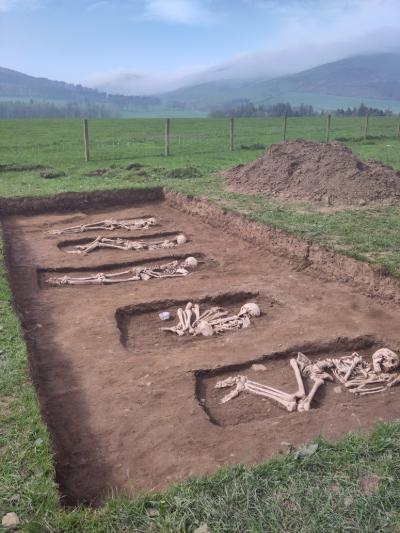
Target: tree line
{"type": "Point", "coordinates": [249, 110]}
{"type": "Point", "coordinates": [361, 111]}
{"type": "Point", "coordinates": [46, 110]}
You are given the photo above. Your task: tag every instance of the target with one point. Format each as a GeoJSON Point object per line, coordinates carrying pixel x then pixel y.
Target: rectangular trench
{"type": "Point", "coordinates": [126, 402]}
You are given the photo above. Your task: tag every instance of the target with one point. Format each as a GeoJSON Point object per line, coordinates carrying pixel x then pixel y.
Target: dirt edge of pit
{"type": "Point", "coordinates": [369, 279]}
{"type": "Point", "coordinates": [81, 201]}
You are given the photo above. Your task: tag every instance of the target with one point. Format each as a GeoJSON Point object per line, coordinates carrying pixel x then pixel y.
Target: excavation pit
{"type": "Point", "coordinates": [140, 325]}
{"type": "Point", "coordinates": [275, 371]}
{"type": "Point", "coordinates": [122, 399]}
{"type": "Point", "coordinates": [44, 276]}
{"type": "Point", "coordinates": [71, 244]}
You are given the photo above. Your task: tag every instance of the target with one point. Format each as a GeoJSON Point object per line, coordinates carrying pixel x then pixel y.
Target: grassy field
{"type": "Point", "coordinates": [351, 486]}
{"type": "Point", "coordinates": [198, 147]}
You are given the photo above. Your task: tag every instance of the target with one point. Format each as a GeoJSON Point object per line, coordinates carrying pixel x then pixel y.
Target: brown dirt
{"type": "Point", "coordinates": [123, 400]}
{"type": "Point", "coordinates": [11, 168]}
{"type": "Point", "coordinates": [306, 170]}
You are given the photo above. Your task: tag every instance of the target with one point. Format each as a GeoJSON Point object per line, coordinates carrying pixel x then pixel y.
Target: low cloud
{"type": "Point", "coordinates": [265, 64]}
{"type": "Point", "coordinates": [19, 5]}
{"type": "Point", "coordinates": [178, 12]}
{"type": "Point", "coordinates": [139, 81]}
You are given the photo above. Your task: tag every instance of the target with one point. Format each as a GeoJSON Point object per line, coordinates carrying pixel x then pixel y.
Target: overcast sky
{"type": "Point", "coordinates": [150, 46]}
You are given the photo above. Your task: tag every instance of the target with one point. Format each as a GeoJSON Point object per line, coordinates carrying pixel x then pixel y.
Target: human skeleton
{"type": "Point", "coordinates": [169, 270]}
{"type": "Point", "coordinates": [214, 320]}
{"type": "Point", "coordinates": [109, 224]}
{"type": "Point", "coordinates": [126, 245]}
{"type": "Point", "coordinates": [354, 373]}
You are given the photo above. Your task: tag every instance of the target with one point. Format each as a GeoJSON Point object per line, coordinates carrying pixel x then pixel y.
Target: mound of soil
{"type": "Point", "coordinates": [308, 170]}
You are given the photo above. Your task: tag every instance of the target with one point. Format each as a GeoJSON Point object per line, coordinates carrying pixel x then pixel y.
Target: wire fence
{"type": "Point", "coordinates": [63, 139]}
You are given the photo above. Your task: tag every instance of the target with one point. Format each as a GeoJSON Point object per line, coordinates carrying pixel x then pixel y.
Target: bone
{"type": "Point", "coordinates": [242, 383]}
{"type": "Point", "coordinates": [203, 328]}
{"type": "Point", "coordinates": [182, 320]}
{"type": "Point", "coordinates": [356, 361]}
{"type": "Point", "coordinates": [196, 310]}
{"type": "Point", "coordinates": [188, 313]}
{"type": "Point", "coordinates": [190, 262]}
{"type": "Point", "coordinates": [168, 270]}
{"type": "Point", "coordinates": [174, 329]}
{"type": "Point", "coordinates": [240, 386]}
{"type": "Point", "coordinates": [305, 404]}
{"type": "Point", "coordinates": [110, 224]}
{"type": "Point", "coordinates": [250, 309]}
{"type": "Point", "coordinates": [394, 382]}
{"type": "Point", "coordinates": [371, 392]}
{"type": "Point", "coordinates": [385, 358]}
{"type": "Point", "coordinates": [301, 392]}
{"type": "Point", "coordinates": [253, 387]}
{"type": "Point", "coordinates": [126, 245]}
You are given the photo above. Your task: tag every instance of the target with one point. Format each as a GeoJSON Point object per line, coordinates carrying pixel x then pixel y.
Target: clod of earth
{"type": "Point", "coordinates": [169, 270]}
{"type": "Point", "coordinates": [126, 245]}
{"type": "Point", "coordinates": [110, 224]}
{"type": "Point", "coordinates": [213, 320]}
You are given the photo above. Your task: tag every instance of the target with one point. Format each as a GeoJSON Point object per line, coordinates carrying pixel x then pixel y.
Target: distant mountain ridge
{"type": "Point", "coordinates": [16, 84]}
{"type": "Point", "coordinates": [375, 76]}
{"type": "Point", "coordinates": [349, 81]}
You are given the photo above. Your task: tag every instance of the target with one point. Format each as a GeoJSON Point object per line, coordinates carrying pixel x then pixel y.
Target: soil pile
{"type": "Point", "coordinates": [308, 170]}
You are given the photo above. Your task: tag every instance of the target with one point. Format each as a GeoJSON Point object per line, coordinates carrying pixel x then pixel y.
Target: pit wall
{"type": "Point", "coordinates": [368, 279]}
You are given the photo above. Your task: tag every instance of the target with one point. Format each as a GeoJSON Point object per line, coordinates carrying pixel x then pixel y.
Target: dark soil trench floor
{"type": "Point", "coordinates": [128, 404]}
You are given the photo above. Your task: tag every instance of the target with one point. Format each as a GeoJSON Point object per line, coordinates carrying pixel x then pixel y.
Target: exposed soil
{"type": "Point", "coordinates": [127, 403]}
{"type": "Point", "coordinates": [11, 168]}
{"type": "Point", "coordinates": [306, 170]}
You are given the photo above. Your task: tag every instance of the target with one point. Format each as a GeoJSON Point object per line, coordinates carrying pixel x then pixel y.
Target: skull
{"type": "Point", "coordinates": [152, 222]}
{"type": "Point", "coordinates": [385, 357]}
{"type": "Point", "coordinates": [250, 309]}
{"type": "Point", "coordinates": [190, 262]}
{"type": "Point", "coordinates": [181, 239]}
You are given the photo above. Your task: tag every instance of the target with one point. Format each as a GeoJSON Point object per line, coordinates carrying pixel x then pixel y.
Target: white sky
{"type": "Point", "coordinates": [149, 46]}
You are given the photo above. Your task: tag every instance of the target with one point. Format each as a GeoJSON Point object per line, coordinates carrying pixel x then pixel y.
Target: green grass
{"type": "Point", "coordinates": [322, 493]}
{"type": "Point", "coordinates": [161, 112]}
{"type": "Point", "coordinates": [371, 233]}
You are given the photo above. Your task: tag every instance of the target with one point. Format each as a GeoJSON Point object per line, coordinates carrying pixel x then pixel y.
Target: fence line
{"type": "Point", "coordinates": [147, 138]}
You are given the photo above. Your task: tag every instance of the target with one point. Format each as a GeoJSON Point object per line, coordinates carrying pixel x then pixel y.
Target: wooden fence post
{"type": "Point", "coordinates": [328, 128]}
{"type": "Point", "coordinates": [366, 126]}
{"type": "Point", "coordinates": [167, 137]}
{"type": "Point", "coordinates": [231, 138]}
{"type": "Point", "coordinates": [398, 128]}
{"type": "Point", "coordinates": [86, 137]}
{"type": "Point", "coordinates": [284, 128]}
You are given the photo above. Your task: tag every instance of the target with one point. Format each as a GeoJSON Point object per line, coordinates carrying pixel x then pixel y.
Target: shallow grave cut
{"type": "Point", "coordinates": [127, 403]}
{"type": "Point", "coordinates": [275, 371]}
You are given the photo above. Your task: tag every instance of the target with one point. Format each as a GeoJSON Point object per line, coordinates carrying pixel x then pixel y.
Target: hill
{"type": "Point", "coordinates": [16, 84]}
{"type": "Point", "coordinates": [373, 79]}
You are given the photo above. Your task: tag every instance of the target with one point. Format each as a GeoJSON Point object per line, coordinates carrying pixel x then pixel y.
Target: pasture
{"type": "Point", "coordinates": [348, 484]}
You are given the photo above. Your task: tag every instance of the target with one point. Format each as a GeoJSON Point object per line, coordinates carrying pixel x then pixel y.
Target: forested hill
{"type": "Point", "coordinates": [374, 76]}
{"type": "Point", "coordinates": [16, 85]}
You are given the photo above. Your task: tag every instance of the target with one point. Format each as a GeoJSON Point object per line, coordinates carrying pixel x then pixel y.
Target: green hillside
{"type": "Point", "coordinates": [371, 79]}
